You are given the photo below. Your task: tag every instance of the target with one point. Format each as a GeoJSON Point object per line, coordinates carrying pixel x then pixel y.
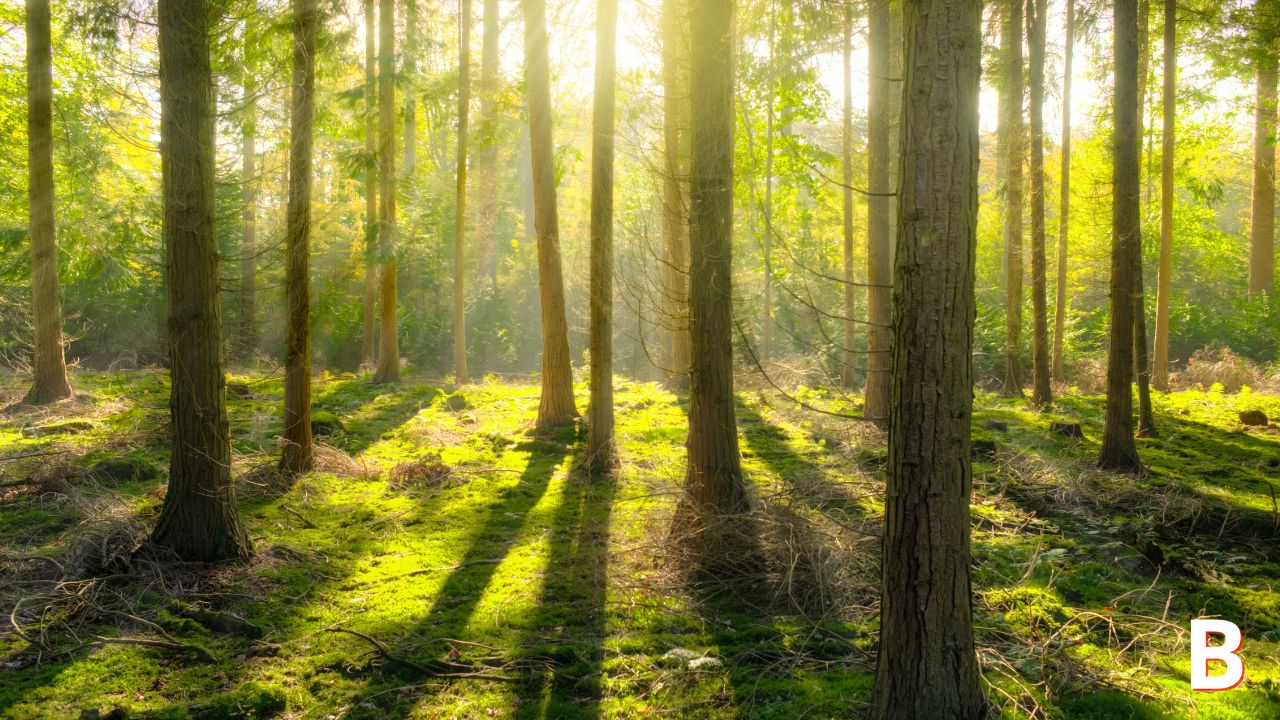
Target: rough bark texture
{"type": "Point", "coordinates": [388, 336]}
{"type": "Point", "coordinates": [49, 369]}
{"type": "Point", "coordinates": [1011, 142]}
{"type": "Point", "coordinates": [1262, 223]}
{"type": "Point", "coordinates": [556, 407]}
{"type": "Point", "coordinates": [675, 200]}
{"type": "Point", "coordinates": [880, 88]}
{"type": "Point", "coordinates": [1041, 394]}
{"type": "Point", "coordinates": [927, 665]}
{"type": "Point", "coordinates": [297, 454]}
{"type": "Point", "coordinates": [1118, 449]}
{"type": "Point", "coordinates": [460, 207]}
{"type": "Point", "coordinates": [601, 451]}
{"type": "Point", "coordinates": [1164, 283]}
{"type": "Point", "coordinates": [249, 201]}
{"type": "Point", "coordinates": [198, 521]}
{"type": "Point", "coordinates": [846, 158]}
{"type": "Point", "coordinates": [1064, 202]}
{"type": "Point", "coordinates": [367, 348]}
{"type": "Point", "coordinates": [487, 150]}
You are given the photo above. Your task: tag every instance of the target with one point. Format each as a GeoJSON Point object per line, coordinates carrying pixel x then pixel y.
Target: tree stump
{"type": "Point", "coordinates": [1067, 429]}
{"type": "Point", "coordinates": [1253, 417]}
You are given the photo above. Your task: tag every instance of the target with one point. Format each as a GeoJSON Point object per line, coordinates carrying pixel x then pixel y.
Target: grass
{"type": "Point", "coordinates": [502, 582]}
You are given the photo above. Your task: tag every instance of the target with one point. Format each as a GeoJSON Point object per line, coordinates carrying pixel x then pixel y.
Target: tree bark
{"type": "Point", "coordinates": [1041, 393]}
{"type": "Point", "coordinates": [846, 163]}
{"type": "Point", "coordinates": [460, 208]}
{"type": "Point", "coordinates": [1262, 216]}
{"type": "Point", "coordinates": [1064, 203]}
{"type": "Point", "coordinates": [389, 341]}
{"type": "Point", "coordinates": [675, 201]}
{"type": "Point", "coordinates": [48, 366]}
{"type": "Point", "coordinates": [367, 347]}
{"type": "Point", "coordinates": [601, 451]}
{"type": "Point", "coordinates": [880, 136]}
{"type": "Point", "coordinates": [487, 150]}
{"type": "Point", "coordinates": [766, 323]}
{"type": "Point", "coordinates": [1118, 449]}
{"type": "Point", "coordinates": [927, 665]}
{"type": "Point", "coordinates": [556, 407]}
{"type": "Point", "coordinates": [1141, 355]}
{"type": "Point", "coordinates": [297, 454]}
{"type": "Point", "coordinates": [1164, 284]}
{"type": "Point", "coordinates": [199, 520]}
{"type": "Point", "coordinates": [249, 200]}
{"type": "Point", "coordinates": [1011, 131]}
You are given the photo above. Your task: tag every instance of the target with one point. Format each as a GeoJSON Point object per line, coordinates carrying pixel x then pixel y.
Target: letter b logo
{"type": "Point", "coordinates": [1202, 652]}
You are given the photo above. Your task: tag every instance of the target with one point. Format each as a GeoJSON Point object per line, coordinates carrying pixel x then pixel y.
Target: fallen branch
{"type": "Point", "coordinates": [389, 656]}
{"type": "Point", "coordinates": [196, 650]}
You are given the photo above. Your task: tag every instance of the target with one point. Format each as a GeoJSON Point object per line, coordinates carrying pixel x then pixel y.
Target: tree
{"type": "Point", "coordinates": [367, 348]}
{"type": "Point", "coordinates": [296, 456]}
{"type": "Point", "coordinates": [1011, 136]}
{"type": "Point", "coordinates": [49, 369]}
{"type": "Point", "coordinates": [1141, 355]}
{"type": "Point", "coordinates": [1164, 283]}
{"type": "Point", "coordinates": [766, 329]}
{"type": "Point", "coordinates": [846, 162]}
{"type": "Point", "coordinates": [927, 665]}
{"type": "Point", "coordinates": [1262, 216]}
{"type": "Point", "coordinates": [389, 342]}
{"type": "Point", "coordinates": [1064, 203]}
{"type": "Point", "coordinates": [1041, 394]}
{"type": "Point", "coordinates": [556, 407]}
{"type": "Point", "coordinates": [1118, 449]}
{"type": "Point", "coordinates": [249, 195]}
{"type": "Point", "coordinates": [675, 202]}
{"type": "Point", "coordinates": [487, 150]}
{"type": "Point", "coordinates": [601, 451]}
{"type": "Point", "coordinates": [460, 207]}
{"type": "Point", "coordinates": [880, 88]}
{"type": "Point", "coordinates": [199, 520]}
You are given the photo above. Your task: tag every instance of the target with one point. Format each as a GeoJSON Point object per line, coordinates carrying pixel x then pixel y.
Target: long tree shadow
{"type": "Point", "coordinates": [369, 411]}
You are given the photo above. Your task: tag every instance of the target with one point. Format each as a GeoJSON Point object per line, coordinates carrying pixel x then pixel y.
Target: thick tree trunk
{"type": "Point", "coordinates": [1164, 283]}
{"type": "Point", "coordinates": [927, 665]}
{"type": "Point", "coordinates": [556, 407]}
{"type": "Point", "coordinates": [49, 369]}
{"type": "Point", "coordinates": [881, 86]}
{"type": "Point", "coordinates": [296, 456]}
{"type": "Point", "coordinates": [1064, 203]}
{"type": "Point", "coordinates": [675, 201]}
{"type": "Point", "coordinates": [199, 520]}
{"type": "Point", "coordinates": [487, 150]}
{"type": "Point", "coordinates": [1011, 131]}
{"type": "Point", "coordinates": [1118, 449]}
{"type": "Point", "coordinates": [1262, 222]}
{"type": "Point", "coordinates": [601, 452]}
{"type": "Point", "coordinates": [367, 347]}
{"type": "Point", "coordinates": [460, 208]}
{"type": "Point", "coordinates": [1041, 394]}
{"type": "Point", "coordinates": [389, 340]}
{"type": "Point", "coordinates": [846, 163]}
{"type": "Point", "coordinates": [249, 201]}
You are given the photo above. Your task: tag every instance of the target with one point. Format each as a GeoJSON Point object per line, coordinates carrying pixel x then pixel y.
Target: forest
{"type": "Point", "coordinates": [776, 359]}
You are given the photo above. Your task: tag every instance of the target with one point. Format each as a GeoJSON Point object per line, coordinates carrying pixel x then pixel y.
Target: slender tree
{"type": "Point", "coordinates": [249, 195]}
{"type": "Point", "coordinates": [1011, 140]}
{"type": "Point", "coordinates": [487, 150]}
{"type": "Point", "coordinates": [846, 157]}
{"type": "Point", "coordinates": [199, 520]}
{"type": "Point", "coordinates": [389, 341]}
{"type": "Point", "coordinates": [556, 407]}
{"type": "Point", "coordinates": [1164, 283]}
{"type": "Point", "coordinates": [297, 455]}
{"type": "Point", "coordinates": [1064, 202]}
{"type": "Point", "coordinates": [927, 665]}
{"type": "Point", "coordinates": [1141, 352]}
{"type": "Point", "coordinates": [766, 328]}
{"type": "Point", "coordinates": [675, 201]}
{"type": "Point", "coordinates": [1262, 215]}
{"type": "Point", "coordinates": [460, 206]}
{"type": "Point", "coordinates": [1041, 394]}
{"type": "Point", "coordinates": [1118, 449]}
{"type": "Point", "coordinates": [601, 451]}
{"type": "Point", "coordinates": [367, 348]}
{"type": "Point", "coordinates": [881, 85]}
{"type": "Point", "coordinates": [49, 369]}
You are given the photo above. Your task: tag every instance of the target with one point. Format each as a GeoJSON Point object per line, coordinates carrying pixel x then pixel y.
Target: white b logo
{"type": "Point", "coordinates": [1202, 652]}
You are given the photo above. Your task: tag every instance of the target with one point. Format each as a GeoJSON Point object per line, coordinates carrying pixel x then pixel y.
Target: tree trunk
{"type": "Point", "coordinates": [296, 456]}
{"type": "Point", "coordinates": [487, 150]}
{"type": "Point", "coordinates": [1011, 131]}
{"type": "Point", "coordinates": [927, 665]}
{"type": "Point", "coordinates": [460, 208]}
{"type": "Point", "coordinates": [49, 369]}
{"type": "Point", "coordinates": [389, 341]}
{"type": "Point", "coordinates": [1041, 394]}
{"type": "Point", "coordinates": [1118, 449]}
{"type": "Point", "coordinates": [1164, 284]}
{"type": "Point", "coordinates": [675, 201]}
{"type": "Point", "coordinates": [367, 348]}
{"type": "Point", "coordinates": [601, 452]}
{"type": "Point", "coordinates": [880, 89]}
{"type": "Point", "coordinates": [846, 162]}
{"type": "Point", "coordinates": [556, 407]}
{"type": "Point", "coordinates": [1262, 215]}
{"type": "Point", "coordinates": [1141, 356]}
{"type": "Point", "coordinates": [1064, 204]}
{"type": "Point", "coordinates": [249, 201]}
{"type": "Point", "coordinates": [199, 520]}
{"type": "Point", "coordinates": [766, 323]}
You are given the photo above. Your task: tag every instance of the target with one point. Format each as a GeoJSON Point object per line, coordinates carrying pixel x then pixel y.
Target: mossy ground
{"type": "Point", "coordinates": [501, 559]}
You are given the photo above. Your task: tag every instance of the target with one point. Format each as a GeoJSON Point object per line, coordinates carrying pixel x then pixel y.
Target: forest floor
{"type": "Point", "coordinates": [447, 561]}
